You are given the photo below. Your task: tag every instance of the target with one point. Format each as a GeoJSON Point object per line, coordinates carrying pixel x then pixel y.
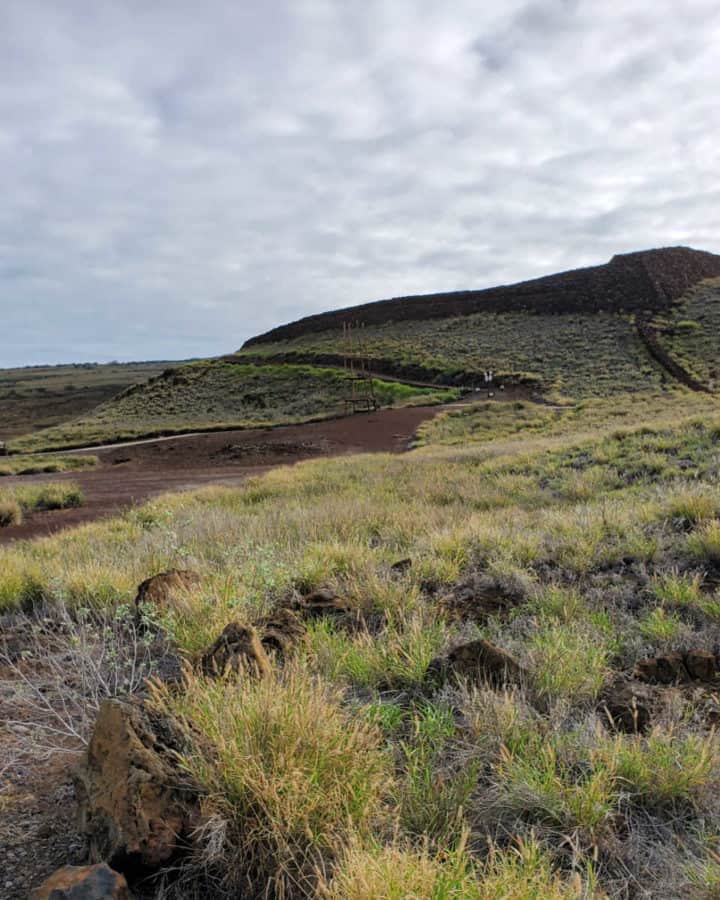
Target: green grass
{"type": "Point", "coordinates": [18, 499]}
{"type": "Point", "coordinates": [34, 464]}
{"type": "Point", "coordinates": [575, 355]}
{"type": "Point", "coordinates": [217, 395]}
{"type": "Point", "coordinates": [348, 773]}
{"type": "Point", "coordinates": [692, 332]}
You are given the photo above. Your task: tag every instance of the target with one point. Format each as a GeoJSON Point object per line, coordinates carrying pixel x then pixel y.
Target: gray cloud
{"type": "Point", "coordinates": [176, 177]}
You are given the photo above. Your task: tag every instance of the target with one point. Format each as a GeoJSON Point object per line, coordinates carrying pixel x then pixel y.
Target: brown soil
{"type": "Point", "coordinates": [130, 474]}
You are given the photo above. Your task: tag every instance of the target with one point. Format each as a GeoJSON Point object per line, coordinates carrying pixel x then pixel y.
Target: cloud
{"type": "Point", "coordinates": [176, 178]}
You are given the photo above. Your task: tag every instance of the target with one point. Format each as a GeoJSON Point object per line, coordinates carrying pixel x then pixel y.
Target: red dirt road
{"type": "Point", "coordinates": [129, 474]}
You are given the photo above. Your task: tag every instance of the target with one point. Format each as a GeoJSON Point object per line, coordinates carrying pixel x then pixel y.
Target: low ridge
{"type": "Point", "coordinates": [648, 280]}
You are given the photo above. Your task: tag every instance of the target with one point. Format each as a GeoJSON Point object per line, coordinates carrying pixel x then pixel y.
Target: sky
{"type": "Point", "coordinates": [177, 176]}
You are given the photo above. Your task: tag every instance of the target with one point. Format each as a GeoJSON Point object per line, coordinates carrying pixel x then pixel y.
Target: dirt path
{"type": "Point", "coordinates": [131, 473]}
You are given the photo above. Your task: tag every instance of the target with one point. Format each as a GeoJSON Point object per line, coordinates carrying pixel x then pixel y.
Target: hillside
{"type": "Point", "coordinates": [216, 395]}
{"type": "Point", "coordinates": [630, 282]}
{"type": "Point", "coordinates": [589, 332]}
{"type": "Point", "coordinates": [41, 396]}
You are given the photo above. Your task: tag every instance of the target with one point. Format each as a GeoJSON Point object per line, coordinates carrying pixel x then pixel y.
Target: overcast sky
{"type": "Point", "coordinates": [176, 176]}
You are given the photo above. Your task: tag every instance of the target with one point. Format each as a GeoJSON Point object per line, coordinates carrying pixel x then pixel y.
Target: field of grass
{"type": "Point", "coordinates": [487, 421]}
{"type": "Point", "coordinates": [34, 464]}
{"type": "Point", "coordinates": [574, 355]}
{"type": "Point", "coordinates": [19, 499]}
{"type": "Point", "coordinates": [692, 332]}
{"type": "Point", "coordinates": [41, 396]}
{"type": "Point", "coordinates": [346, 773]}
{"type": "Point", "coordinates": [216, 395]}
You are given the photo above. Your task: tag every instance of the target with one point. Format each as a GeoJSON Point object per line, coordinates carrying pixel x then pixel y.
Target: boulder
{"type": "Point", "coordinates": [627, 706]}
{"type": "Point", "coordinates": [324, 603]}
{"type": "Point", "coordinates": [238, 650]}
{"type": "Point", "coordinates": [701, 664]}
{"type": "Point", "coordinates": [281, 632]}
{"type": "Point", "coordinates": [163, 591]}
{"type": "Point", "coordinates": [666, 669]}
{"type": "Point", "coordinates": [479, 661]}
{"type": "Point", "coordinates": [136, 807]}
{"type": "Point", "coordinates": [98, 882]}
{"type": "Point", "coordinates": [402, 566]}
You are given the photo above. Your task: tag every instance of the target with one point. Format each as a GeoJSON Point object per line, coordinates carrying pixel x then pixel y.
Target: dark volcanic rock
{"type": "Point", "coordinates": [238, 650]}
{"type": "Point", "coordinates": [98, 882]}
{"type": "Point", "coordinates": [281, 632]}
{"type": "Point", "coordinates": [701, 664]}
{"type": "Point", "coordinates": [478, 661]}
{"type": "Point", "coordinates": [163, 590]}
{"type": "Point", "coordinates": [323, 603]}
{"type": "Point", "coordinates": [667, 669]}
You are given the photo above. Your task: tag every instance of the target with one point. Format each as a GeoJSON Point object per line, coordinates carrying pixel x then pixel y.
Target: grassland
{"type": "Point", "coordinates": [42, 396]}
{"type": "Point", "coordinates": [217, 395]}
{"type": "Point", "coordinates": [692, 332]}
{"type": "Point", "coordinates": [19, 499]}
{"type": "Point", "coordinates": [345, 773]}
{"type": "Point", "coordinates": [35, 464]}
{"type": "Point", "coordinates": [573, 355]}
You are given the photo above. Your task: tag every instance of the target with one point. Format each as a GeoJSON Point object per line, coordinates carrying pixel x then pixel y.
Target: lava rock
{"type": "Point", "coordinates": [163, 591]}
{"type": "Point", "coordinates": [478, 661]}
{"type": "Point", "coordinates": [98, 882]}
{"type": "Point", "coordinates": [136, 807]}
{"type": "Point", "coordinates": [667, 669]}
{"type": "Point", "coordinates": [238, 650]}
{"type": "Point", "coordinates": [627, 706]}
{"type": "Point", "coordinates": [701, 664]}
{"type": "Point", "coordinates": [281, 632]}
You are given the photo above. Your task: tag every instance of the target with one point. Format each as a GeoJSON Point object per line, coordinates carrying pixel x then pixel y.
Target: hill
{"type": "Point", "coordinates": [590, 332]}
{"type": "Point", "coordinates": [630, 282]}
{"type": "Point", "coordinates": [38, 397]}
{"type": "Point", "coordinates": [217, 395]}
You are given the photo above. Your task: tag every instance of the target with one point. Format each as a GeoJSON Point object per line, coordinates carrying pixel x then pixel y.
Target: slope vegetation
{"type": "Point", "coordinates": [217, 395]}
{"type": "Point", "coordinates": [508, 686]}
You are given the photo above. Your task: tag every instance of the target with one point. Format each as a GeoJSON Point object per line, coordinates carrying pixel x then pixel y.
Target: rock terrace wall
{"type": "Point", "coordinates": [646, 280]}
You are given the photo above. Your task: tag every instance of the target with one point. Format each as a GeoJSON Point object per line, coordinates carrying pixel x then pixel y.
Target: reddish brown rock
{"type": "Point", "coordinates": [667, 669]}
{"type": "Point", "coordinates": [98, 882]}
{"type": "Point", "coordinates": [237, 651]}
{"type": "Point", "coordinates": [701, 664]}
{"type": "Point", "coordinates": [163, 591]}
{"type": "Point", "coordinates": [136, 807]}
{"type": "Point", "coordinates": [281, 632]}
{"type": "Point", "coordinates": [478, 661]}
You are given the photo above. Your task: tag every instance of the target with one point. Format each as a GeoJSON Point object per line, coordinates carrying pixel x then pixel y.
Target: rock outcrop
{"type": "Point", "coordinates": [236, 651]}
{"type": "Point", "coordinates": [136, 807]}
{"type": "Point", "coordinates": [477, 661]}
{"type": "Point", "coordinates": [163, 591]}
{"type": "Point", "coordinates": [98, 882]}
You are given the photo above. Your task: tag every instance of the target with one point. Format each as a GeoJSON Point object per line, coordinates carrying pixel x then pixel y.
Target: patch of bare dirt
{"type": "Point", "coordinates": [130, 474]}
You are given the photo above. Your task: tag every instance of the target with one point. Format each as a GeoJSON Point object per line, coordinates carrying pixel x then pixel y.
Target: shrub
{"type": "Point", "coordinates": [288, 772]}
{"type": "Point", "coordinates": [10, 513]}
{"type": "Point", "coordinates": [704, 543]}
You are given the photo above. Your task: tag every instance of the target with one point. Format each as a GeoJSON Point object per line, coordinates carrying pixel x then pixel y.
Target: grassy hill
{"type": "Point", "coordinates": [39, 397]}
{"type": "Point", "coordinates": [691, 331]}
{"type": "Point", "coordinates": [216, 395]}
{"type": "Point", "coordinates": [573, 354]}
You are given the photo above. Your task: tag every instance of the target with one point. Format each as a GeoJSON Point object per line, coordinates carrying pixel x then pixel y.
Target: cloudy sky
{"type": "Point", "coordinates": [176, 176]}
